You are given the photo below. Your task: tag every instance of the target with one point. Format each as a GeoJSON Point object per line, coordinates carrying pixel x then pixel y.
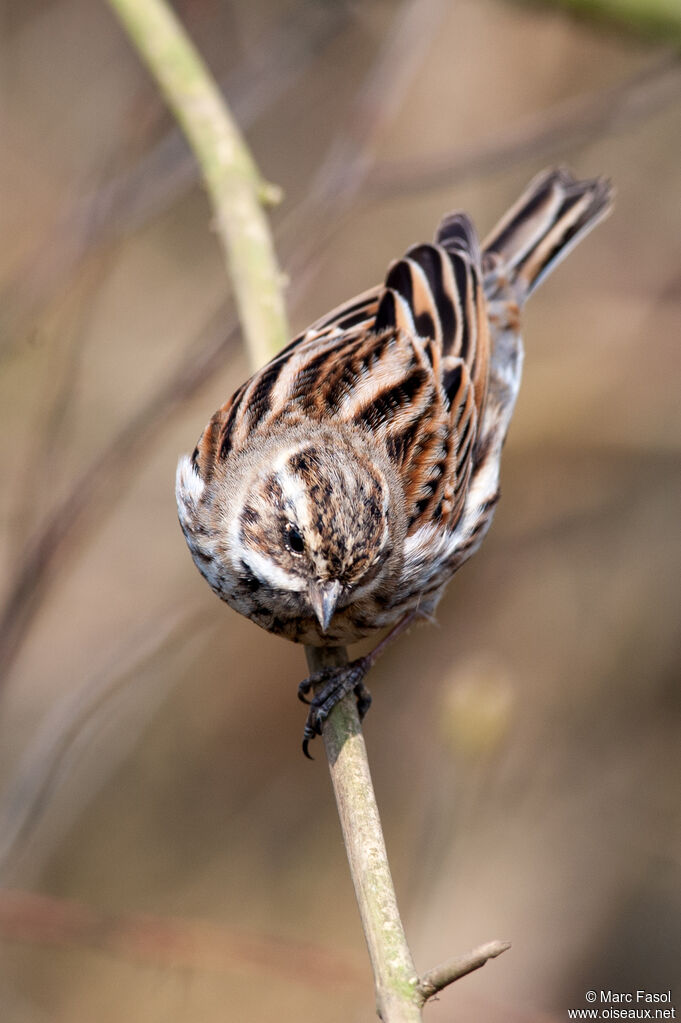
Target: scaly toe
{"type": "Point", "coordinates": [333, 684]}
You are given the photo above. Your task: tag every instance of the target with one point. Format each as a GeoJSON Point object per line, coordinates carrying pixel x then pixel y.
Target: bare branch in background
{"type": "Point", "coordinates": [378, 101]}
{"type": "Point", "coordinates": [64, 352]}
{"type": "Point", "coordinates": [165, 173]}
{"type": "Point", "coordinates": [95, 490]}
{"type": "Point", "coordinates": [627, 652]}
{"type": "Point", "coordinates": [74, 725]}
{"type": "Point", "coordinates": [574, 122]}
{"type": "Point", "coordinates": [232, 179]}
{"type": "Point", "coordinates": [351, 156]}
{"type": "Point", "coordinates": [172, 943]}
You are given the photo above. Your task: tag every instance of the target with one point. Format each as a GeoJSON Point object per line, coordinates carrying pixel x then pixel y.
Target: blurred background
{"type": "Point", "coordinates": [166, 853]}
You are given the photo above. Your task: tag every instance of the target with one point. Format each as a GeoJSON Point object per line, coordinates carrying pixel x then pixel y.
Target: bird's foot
{"type": "Point", "coordinates": [334, 683]}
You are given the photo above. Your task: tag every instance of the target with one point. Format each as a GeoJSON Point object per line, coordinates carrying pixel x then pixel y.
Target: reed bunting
{"type": "Point", "coordinates": [342, 485]}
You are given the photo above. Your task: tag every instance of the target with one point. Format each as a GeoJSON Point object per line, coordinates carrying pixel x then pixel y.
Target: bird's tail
{"type": "Point", "coordinates": [550, 217]}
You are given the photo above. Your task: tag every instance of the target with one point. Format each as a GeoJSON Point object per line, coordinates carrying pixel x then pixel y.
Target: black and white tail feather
{"type": "Point", "coordinates": [539, 230]}
{"type": "Point", "coordinates": [547, 221]}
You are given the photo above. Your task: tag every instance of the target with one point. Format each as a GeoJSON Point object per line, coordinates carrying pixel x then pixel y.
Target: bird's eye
{"type": "Point", "coordinates": [294, 539]}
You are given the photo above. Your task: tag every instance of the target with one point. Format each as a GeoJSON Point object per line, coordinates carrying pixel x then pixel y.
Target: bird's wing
{"type": "Point", "coordinates": [433, 312]}
{"type": "Point", "coordinates": [406, 361]}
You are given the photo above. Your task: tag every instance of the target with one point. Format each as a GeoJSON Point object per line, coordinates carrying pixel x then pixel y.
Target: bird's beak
{"type": "Point", "coordinates": [324, 597]}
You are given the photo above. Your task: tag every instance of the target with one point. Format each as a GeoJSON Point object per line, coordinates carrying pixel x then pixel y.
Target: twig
{"type": "Point", "coordinates": [395, 977]}
{"type": "Point", "coordinates": [234, 185]}
{"type": "Point", "coordinates": [400, 992]}
{"type": "Point", "coordinates": [68, 342]}
{"type": "Point", "coordinates": [441, 976]}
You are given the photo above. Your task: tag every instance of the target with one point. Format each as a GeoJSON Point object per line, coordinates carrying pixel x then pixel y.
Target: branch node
{"type": "Point", "coordinates": [269, 193]}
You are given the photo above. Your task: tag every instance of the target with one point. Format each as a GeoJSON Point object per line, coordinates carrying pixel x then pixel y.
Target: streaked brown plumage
{"type": "Point", "coordinates": [342, 485]}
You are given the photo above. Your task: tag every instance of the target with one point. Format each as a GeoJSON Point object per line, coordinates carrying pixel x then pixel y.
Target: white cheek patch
{"type": "Point", "coordinates": [262, 567]}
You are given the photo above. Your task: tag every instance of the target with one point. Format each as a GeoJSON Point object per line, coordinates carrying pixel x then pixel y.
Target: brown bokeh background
{"type": "Point", "coordinates": [526, 751]}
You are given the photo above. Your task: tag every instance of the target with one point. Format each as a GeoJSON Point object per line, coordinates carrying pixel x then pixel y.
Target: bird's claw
{"type": "Point", "coordinates": [313, 680]}
{"type": "Point", "coordinates": [331, 685]}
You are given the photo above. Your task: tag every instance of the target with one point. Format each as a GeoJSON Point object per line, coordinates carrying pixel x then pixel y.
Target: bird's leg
{"type": "Point", "coordinates": [335, 683]}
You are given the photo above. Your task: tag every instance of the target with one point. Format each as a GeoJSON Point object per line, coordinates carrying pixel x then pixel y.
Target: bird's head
{"type": "Point", "coordinates": [315, 526]}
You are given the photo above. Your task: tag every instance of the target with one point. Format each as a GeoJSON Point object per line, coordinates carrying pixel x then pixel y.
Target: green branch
{"type": "Point", "coordinates": [234, 185]}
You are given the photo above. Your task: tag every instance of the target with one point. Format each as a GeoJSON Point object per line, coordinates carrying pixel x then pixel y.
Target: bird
{"type": "Point", "coordinates": [341, 486]}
